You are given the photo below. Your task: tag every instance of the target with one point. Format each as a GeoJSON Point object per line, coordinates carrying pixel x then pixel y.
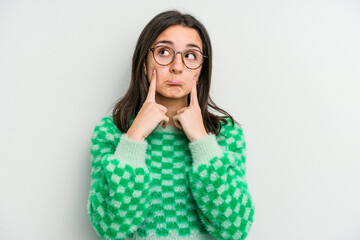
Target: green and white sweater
{"type": "Point", "coordinates": [167, 187]}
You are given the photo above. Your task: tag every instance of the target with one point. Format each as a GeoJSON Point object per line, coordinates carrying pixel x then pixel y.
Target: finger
{"type": "Point", "coordinates": [193, 94]}
{"type": "Point", "coordinates": [164, 122]}
{"type": "Point", "coordinates": [177, 122]}
{"type": "Point", "coordinates": [152, 88]}
{"type": "Point", "coordinates": [162, 108]}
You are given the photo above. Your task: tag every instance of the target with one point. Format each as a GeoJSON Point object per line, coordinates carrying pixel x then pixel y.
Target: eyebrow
{"type": "Point", "coordinates": [171, 43]}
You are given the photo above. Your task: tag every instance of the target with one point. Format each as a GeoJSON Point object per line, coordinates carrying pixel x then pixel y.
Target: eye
{"type": "Point", "coordinates": [191, 55]}
{"type": "Point", "coordinates": [163, 52]}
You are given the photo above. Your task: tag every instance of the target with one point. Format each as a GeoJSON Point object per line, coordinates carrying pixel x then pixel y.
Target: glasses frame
{"type": "Point", "coordinates": [182, 56]}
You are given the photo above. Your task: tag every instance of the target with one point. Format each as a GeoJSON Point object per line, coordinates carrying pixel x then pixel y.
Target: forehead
{"type": "Point", "coordinates": [180, 36]}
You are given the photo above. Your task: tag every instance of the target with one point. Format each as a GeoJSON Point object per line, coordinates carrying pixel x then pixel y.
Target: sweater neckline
{"type": "Point", "coordinates": [160, 129]}
{"type": "Point", "coordinates": [168, 129]}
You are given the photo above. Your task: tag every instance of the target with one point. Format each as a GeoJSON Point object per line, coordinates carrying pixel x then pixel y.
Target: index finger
{"type": "Point", "coordinates": [193, 94]}
{"type": "Point", "coordinates": [152, 88]}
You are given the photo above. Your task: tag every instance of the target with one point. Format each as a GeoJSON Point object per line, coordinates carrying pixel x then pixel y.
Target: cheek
{"type": "Point", "coordinates": [151, 65]}
{"type": "Point", "coordinates": [162, 72]}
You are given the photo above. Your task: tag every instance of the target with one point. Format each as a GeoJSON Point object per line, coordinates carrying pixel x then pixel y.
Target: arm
{"type": "Point", "coordinates": [218, 183]}
{"type": "Point", "coordinates": [118, 199]}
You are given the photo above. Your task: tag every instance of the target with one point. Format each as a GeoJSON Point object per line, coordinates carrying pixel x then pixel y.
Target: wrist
{"type": "Point", "coordinates": [199, 137]}
{"type": "Point", "coordinates": [134, 135]}
{"type": "Point", "coordinates": [204, 150]}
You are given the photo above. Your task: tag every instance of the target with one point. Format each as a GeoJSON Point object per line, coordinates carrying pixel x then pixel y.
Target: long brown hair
{"type": "Point", "coordinates": [129, 105]}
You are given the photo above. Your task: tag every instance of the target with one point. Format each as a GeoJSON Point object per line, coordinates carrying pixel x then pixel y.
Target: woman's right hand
{"type": "Point", "coordinates": [149, 116]}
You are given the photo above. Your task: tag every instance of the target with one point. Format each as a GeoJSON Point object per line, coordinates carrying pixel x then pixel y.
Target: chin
{"type": "Point", "coordinates": [174, 95]}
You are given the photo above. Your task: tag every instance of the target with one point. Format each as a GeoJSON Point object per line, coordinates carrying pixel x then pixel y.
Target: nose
{"type": "Point", "coordinates": [177, 65]}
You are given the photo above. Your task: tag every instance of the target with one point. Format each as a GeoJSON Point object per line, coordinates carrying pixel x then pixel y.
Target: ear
{"type": "Point", "coordinates": [145, 70]}
{"type": "Point", "coordinates": [197, 78]}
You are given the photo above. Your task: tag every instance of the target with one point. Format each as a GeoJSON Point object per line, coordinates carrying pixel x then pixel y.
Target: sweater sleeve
{"type": "Point", "coordinates": [218, 183]}
{"type": "Point", "coordinates": [118, 200]}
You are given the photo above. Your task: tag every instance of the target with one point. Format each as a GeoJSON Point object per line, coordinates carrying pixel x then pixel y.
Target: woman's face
{"type": "Point", "coordinates": [174, 80]}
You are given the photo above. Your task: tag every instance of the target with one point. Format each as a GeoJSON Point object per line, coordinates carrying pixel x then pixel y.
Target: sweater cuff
{"type": "Point", "coordinates": [131, 152]}
{"type": "Point", "coordinates": [205, 149]}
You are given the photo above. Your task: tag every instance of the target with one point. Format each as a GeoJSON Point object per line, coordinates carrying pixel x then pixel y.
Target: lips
{"type": "Point", "coordinates": [174, 82]}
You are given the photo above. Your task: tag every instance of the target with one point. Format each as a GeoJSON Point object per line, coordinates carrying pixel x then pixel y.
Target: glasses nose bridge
{"type": "Point", "coordinates": [181, 54]}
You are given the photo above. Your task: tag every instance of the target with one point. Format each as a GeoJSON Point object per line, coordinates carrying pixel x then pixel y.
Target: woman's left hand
{"type": "Point", "coordinates": [190, 119]}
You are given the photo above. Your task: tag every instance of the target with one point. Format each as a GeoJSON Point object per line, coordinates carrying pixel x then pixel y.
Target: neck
{"type": "Point", "coordinates": [172, 105]}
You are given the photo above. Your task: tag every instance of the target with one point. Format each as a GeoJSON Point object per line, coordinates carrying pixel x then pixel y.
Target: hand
{"type": "Point", "coordinates": [190, 119]}
{"type": "Point", "coordinates": [149, 116]}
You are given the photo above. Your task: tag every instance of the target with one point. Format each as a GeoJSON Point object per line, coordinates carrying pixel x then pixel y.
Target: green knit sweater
{"type": "Point", "coordinates": [167, 187]}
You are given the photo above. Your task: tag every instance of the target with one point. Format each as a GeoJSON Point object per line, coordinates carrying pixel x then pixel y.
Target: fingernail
{"type": "Point", "coordinates": [154, 71]}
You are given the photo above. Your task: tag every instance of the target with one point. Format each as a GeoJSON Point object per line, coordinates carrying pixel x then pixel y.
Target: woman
{"type": "Point", "coordinates": [163, 166]}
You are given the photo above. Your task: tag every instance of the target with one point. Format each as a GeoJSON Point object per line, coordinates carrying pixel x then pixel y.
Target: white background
{"type": "Point", "coordinates": [288, 71]}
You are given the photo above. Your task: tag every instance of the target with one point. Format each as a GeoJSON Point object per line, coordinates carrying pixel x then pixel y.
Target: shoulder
{"type": "Point", "coordinates": [230, 129]}
{"type": "Point", "coordinates": [105, 124]}
{"type": "Point", "coordinates": [106, 128]}
{"type": "Point", "coordinates": [231, 135]}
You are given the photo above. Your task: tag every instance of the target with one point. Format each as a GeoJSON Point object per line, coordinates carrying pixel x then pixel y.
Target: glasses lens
{"type": "Point", "coordinates": [193, 58]}
{"type": "Point", "coordinates": [163, 55]}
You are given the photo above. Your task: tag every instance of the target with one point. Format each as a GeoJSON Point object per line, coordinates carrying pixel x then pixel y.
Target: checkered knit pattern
{"type": "Point", "coordinates": [167, 187]}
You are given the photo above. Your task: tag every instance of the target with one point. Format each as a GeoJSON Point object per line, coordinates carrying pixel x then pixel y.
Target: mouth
{"type": "Point", "coordinates": [174, 82]}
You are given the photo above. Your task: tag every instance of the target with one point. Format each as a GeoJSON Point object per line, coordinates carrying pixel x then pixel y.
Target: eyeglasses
{"type": "Point", "coordinates": [164, 55]}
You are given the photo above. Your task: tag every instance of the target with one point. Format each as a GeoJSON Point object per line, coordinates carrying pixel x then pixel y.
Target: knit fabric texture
{"type": "Point", "coordinates": [167, 187]}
